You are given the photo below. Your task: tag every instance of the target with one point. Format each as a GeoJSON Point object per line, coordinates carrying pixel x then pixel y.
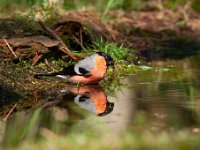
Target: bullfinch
{"type": "Point", "coordinates": [89, 97]}
{"type": "Point", "coordinates": [90, 70]}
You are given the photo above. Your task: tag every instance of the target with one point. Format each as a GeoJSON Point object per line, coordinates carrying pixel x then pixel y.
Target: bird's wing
{"type": "Point", "coordinates": [85, 66]}
{"type": "Point", "coordinates": [85, 102]}
{"type": "Point", "coordinates": [68, 71]}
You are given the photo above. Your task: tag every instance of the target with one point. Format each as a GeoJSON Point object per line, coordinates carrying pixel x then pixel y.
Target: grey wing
{"type": "Point", "coordinates": [85, 102]}
{"type": "Point", "coordinates": [85, 66]}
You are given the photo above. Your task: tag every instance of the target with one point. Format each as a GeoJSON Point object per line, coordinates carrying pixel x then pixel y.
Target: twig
{"type": "Point", "coordinates": [9, 112]}
{"type": "Point", "coordinates": [49, 104]}
{"type": "Point", "coordinates": [80, 43]}
{"type": "Point", "coordinates": [81, 37]}
{"type": "Point", "coordinates": [49, 65]}
{"type": "Point", "coordinates": [36, 58]}
{"type": "Point", "coordinates": [49, 31]}
{"type": "Point", "coordinates": [10, 48]}
{"type": "Point", "coordinates": [62, 46]}
{"type": "Point", "coordinates": [35, 96]}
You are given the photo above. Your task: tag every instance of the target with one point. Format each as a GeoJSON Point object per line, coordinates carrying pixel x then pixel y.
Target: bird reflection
{"type": "Point", "coordinates": [89, 97]}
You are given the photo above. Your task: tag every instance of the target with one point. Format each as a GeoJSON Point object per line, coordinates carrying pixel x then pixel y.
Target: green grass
{"type": "Point", "coordinates": [117, 52]}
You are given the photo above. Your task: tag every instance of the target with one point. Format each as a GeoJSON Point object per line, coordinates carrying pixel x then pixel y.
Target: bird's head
{"type": "Point", "coordinates": [109, 109]}
{"type": "Point", "coordinates": [108, 58]}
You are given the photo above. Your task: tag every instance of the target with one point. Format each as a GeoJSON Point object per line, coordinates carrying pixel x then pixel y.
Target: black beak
{"type": "Point", "coordinates": [109, 109]}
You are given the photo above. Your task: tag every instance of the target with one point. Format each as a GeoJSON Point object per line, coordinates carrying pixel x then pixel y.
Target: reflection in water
{"type": "Point", "coordinates": [155, 99]}
{"type": "Point", "coordinates": [89, 97]}
{"type": "Point", "coordinates": [57, 111]}
{"type": "Point", "coordinates": [7, 95]}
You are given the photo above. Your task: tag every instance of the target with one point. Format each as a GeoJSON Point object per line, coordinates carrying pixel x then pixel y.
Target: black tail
{"type": "Point", "coordinates": [66, 71]}
{"type": "Point", "coordinates": [46, 75]}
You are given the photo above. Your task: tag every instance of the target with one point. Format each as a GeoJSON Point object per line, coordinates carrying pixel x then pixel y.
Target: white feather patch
{"type": "Point", "coordinates": [88, 64]}
{"type": "Point", "coordinates": [63, 77]}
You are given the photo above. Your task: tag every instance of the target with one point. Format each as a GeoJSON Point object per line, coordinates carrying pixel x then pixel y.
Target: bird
{"type": "Point", "coordinates": [88, 97]}
{"type": "Point", "coordinates": [90, 70]}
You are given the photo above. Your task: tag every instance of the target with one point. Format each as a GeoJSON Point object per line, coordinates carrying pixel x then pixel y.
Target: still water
{"type": "Point", "coordinates": [164, 97]}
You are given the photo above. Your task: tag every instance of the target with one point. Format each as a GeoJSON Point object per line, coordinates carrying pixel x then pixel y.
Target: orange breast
{"type": "Point", "coordinates": [97, 73]}
{"type": "Point", "coordinates": [100, 100]}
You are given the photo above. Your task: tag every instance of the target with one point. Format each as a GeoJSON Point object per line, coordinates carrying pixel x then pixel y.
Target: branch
{"type": "Point", "coordinates": [9, 112]}
{"type": "Point", "coordinates": [10, 48]}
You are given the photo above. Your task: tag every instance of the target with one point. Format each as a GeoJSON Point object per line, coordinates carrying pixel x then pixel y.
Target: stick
{"type": "Point", "coordinates": [78, 42]}
{"type": "Point", "coordinates": [10, 48]}
{"type": "Point", "coordinates": [63, 48]}
{"type": "Point", "coordinates": [81, 37]}
{"type": "Point", "coordinates": [9, 112]}
{"type": "Point", "coordinates": [36, 58]}
{"type": "Point", "coordinates": [49, 65]}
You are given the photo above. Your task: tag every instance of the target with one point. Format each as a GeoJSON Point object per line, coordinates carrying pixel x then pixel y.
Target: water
{"type": "Point", "coordinates": [163, 98]}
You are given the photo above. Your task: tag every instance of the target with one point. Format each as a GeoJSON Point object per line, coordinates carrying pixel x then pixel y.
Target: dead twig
{"type": "Point", "coordinates": [50, 65]}
{"type": "Point", "coordinates": [10, 48]}
{"type": "Point", "coordinates": [36, 58]}
{"type": "Point", "coordinates": [36, 97]}
{"type": "Point", "coordinates": [62, 46]}
{"type": "Point", "coordinates": [9, 112]}
{"type": "Point", "coordinates": [79, 42]}
{"type": "Point", "coordinates": [49, 31]}
{"type": "Point", "coordinates": [81, 36]}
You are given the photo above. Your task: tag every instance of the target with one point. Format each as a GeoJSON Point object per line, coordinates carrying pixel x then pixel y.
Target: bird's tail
{"type": "Point", "coordinates": [46, 74]}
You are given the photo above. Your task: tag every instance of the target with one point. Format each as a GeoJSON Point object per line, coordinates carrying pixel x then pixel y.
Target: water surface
{"type": "Point", "coordinates": [164, 98]}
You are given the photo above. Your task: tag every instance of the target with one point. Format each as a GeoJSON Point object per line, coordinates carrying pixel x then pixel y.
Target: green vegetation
{"type": "Point", "coordinates": [117, 52]}
{"type": "Point", "coordinates": [21, 74]}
